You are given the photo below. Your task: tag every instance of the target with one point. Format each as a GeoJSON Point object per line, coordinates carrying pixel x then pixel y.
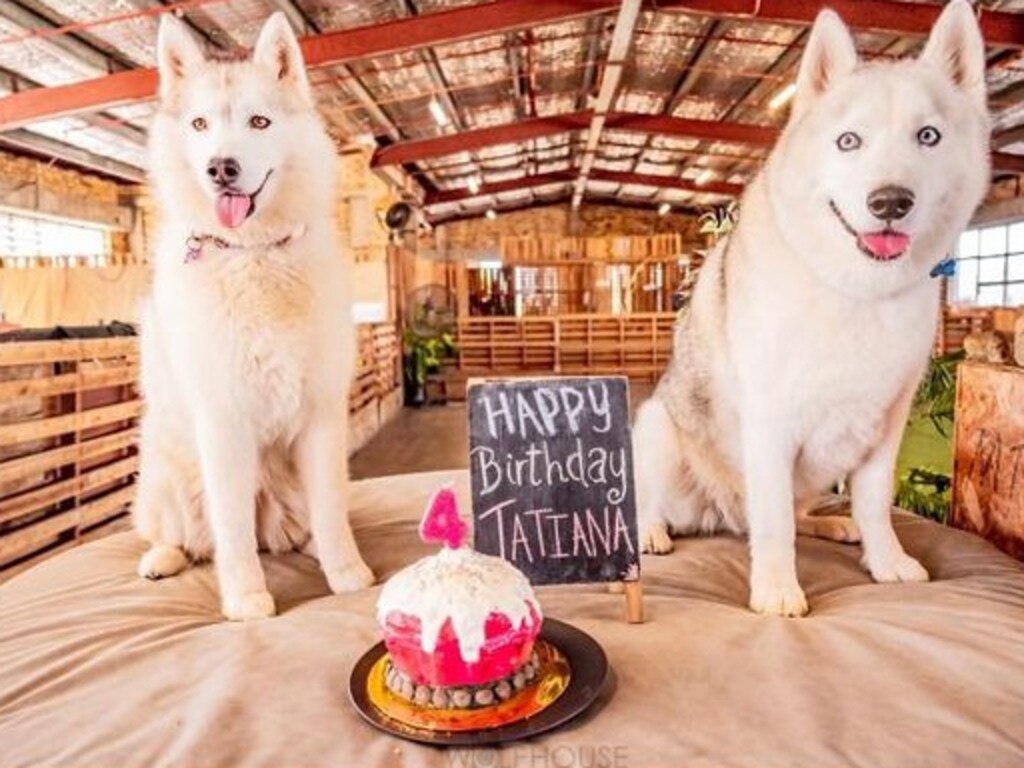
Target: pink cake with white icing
{"type": "Point", "coordinates": [459, 626]}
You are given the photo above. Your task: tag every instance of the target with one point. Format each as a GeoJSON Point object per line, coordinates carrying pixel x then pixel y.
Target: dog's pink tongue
{"type": "Point", "coordinates": [885, 245]}
{"type": "Point", "coordinates": [232, 209]}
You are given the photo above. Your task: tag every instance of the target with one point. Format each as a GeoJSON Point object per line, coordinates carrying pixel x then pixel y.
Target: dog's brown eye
{"type": "Point", "coordinates": [929, 136]}
{"type": "Point", "coordinates": [259, 122]}
{"type": "Point", "coordinates": [848, 141]}
{"type": "Point", "coordinates": [199, 124]}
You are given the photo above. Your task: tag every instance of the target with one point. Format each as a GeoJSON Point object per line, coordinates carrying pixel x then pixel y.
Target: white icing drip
{"type": "Point", "coordinates": [462, 585]}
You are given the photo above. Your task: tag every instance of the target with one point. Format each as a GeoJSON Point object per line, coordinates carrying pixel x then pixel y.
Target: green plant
{"type": "Point", "coordinates": [423, 354]}
{"type": "Point", "coordinates": [936, 395]}
{"type": "Point", "coordinates": [720, 220]}
{"type": "Point", "coordinates": [925, 492]}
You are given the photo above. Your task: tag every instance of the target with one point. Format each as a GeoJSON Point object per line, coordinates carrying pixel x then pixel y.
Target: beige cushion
{"type": "Point", "coordinates": [101, 668]}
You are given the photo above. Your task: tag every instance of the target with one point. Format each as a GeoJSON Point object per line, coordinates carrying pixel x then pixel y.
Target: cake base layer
{"type": "Point", "coordinates": [551, 674]}
{"type": "Point", "coordinates": [465, 696]}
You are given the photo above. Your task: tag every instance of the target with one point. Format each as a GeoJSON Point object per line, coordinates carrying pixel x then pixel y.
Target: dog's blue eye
{"type": "Point", "coordinates": [929, 136]}
{"type": "Point", "coordinates": [848, 141]}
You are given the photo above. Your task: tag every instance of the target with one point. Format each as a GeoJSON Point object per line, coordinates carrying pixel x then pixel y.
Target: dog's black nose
{"type": "Point", "coordinates": [890, 203]}
{"type": "Point", "coordinates": [223, 170]}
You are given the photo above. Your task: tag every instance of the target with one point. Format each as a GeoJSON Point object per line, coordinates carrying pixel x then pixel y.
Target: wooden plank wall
{"type": "Point", "coordinates": [548, 249]}
{"type": "Point", "coordinates": [69, 430]}
{"type": "Point", "coordinates": [957, 322]}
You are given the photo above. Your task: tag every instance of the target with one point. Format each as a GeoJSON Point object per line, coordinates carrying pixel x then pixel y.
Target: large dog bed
{"type": "Point", "coordinates": [101, 668]}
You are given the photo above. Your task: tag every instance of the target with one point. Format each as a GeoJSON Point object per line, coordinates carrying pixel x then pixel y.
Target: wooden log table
{"type": "Point", "coordinates": [988, 473]}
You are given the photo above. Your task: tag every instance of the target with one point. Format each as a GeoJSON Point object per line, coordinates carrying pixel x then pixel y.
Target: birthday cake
{"type": "Point", "coordinates": [460, 627]}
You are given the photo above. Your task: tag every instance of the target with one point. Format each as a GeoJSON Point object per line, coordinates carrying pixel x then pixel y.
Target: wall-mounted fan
{"type": "Point", "coordinates": [398, 217]}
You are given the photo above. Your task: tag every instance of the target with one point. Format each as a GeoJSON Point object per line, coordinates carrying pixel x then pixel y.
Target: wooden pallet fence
{"type": "Point", "coordinates": [637, 345]}
{"type": "Point", "coordinates": [957, 322]}
{"type": "Point", "coordinates": [378, 363]}
{"type": "Point", "coordinates": [68, 434]}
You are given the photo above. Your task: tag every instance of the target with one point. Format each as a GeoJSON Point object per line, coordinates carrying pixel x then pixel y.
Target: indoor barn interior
{"type": "Point", "coordinates": [458, 200]}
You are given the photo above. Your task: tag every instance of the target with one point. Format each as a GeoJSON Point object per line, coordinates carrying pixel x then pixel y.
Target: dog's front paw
{"type": "Point", "coordinates": [896, 566]}
{"type": "Point", "coordinates": [254, 605]}
{"type": "Point", "coordinates": [350, 578]}
{"type": "Point", "coordinates": [162, 560]}
{"type": "Point", "coordinates": [655, 540]}
{"type": "Point", "coordinates": [773, 597]}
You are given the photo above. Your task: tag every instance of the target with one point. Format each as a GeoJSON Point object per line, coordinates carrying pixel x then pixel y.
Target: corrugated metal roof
{"type": "Point", "coordinates": [688, 66]}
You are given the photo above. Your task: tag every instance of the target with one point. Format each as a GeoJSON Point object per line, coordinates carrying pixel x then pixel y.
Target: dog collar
{"type": "Point", "coordinates": [195, 244]}
{"type": "Point", "coordinates": [945, 268]}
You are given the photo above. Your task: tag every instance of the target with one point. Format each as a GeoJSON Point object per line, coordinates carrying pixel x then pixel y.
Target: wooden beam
{"type": "Point", "coordinates": [661, 125]}
{"type": "Point", "coordinates": [44, 146]}
{"type": "Point", "coordinates": [618, 50]}
{"type": "Point", "coordinates": [1000, 28]}
{"type": "Point", "coordinates": [563, 199]}
{"type": "Point", "coordinates": [596, 174]}
{"type": "Point", "coordinates": [511, 133]}
{"type": "Point", "coordinates": [1007, 162]}
{"type": "Point", "coordinates": [1010, 136]}
{"type": "Point", "coordinates": [442, 27]}
{"type": "Point", "coordinates": [667, 182]}
{"type": "Point", "coordinates": [686, 128]}
{"type": "Point", "coordinates": [478, 138]}
{"type": "Point", "coordinates": [496, 188]}
{"type": "Point", "coordinates": [101, 93]}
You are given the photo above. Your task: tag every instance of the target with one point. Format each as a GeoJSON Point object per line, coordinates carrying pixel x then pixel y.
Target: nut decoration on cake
{"type": "Point", "coordinates": [459, 626]}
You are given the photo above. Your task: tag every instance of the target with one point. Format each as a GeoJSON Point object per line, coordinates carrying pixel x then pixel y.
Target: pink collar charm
{"type": "Point", "coordinates": [442, 522]}
{"type": "Point", "coordinates": [195, 243]}
{"type": "Point", "coordinates": [193, 249]}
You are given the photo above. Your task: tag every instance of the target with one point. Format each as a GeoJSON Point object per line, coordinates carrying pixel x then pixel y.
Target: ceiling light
{"type": "Point", "coordinates": [704, 177]}
{"type": "Point", "coordinates": [782, 96]}
{"type": "Point", "coordinates": [474, 185]}
{"type": "Point", "coordinates": [438, 113]}
{"type": "Point", "coordinates": [664, 208]}
{"type": "Point", "coordinates": [491, 215]}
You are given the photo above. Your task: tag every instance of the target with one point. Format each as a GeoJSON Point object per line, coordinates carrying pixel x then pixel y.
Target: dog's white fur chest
{"type": "Point", "coordinates": [843, 400]}
{"type": "Point", "coordinates": [246, 329]}
{"type": "Point", "coordinates": [832, 365]}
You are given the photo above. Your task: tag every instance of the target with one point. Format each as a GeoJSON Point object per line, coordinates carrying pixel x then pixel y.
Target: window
{"type": "Point", "coordinates": [537, 291]}
{"type": "Point", "coordinates": [990, 266]}
{"type": "Point", "coordinates": [26, 239]}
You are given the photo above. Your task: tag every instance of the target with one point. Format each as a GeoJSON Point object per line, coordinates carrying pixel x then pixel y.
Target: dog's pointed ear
{"type": "Point", "coordinates": [176, 54]}
{"type": "Point", "coordinates": [829, 55]}
{"type": "Point", "coordinates": [278, 50]}
{"type": "Point", "coordinates": [956, 47]}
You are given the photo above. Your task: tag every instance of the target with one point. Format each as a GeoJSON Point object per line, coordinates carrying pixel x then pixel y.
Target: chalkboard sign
{"type": "Point", "coordinates": [551, 466]}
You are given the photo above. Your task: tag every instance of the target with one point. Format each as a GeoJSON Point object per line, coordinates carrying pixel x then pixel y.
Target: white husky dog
{"type": "Point", "coordinates": [809, 329]}
{"type": "Point", "coordinates": [247, 343]}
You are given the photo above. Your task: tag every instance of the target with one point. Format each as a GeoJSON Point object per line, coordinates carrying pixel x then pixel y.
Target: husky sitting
{"type": "Point", "coordinates": [797, 361]}
{"type": "Point", "coordinates": [248, 346]}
